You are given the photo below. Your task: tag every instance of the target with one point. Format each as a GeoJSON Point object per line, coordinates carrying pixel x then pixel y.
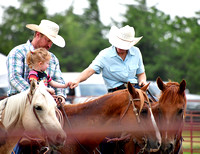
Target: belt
{"type": "Point", "coordinates": [123, 86]}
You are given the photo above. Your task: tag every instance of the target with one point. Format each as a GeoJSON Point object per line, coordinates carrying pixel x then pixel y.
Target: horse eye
{"type": "Point", "coordinates": [180, 111]}
{"type": "Point", "coordinates": [39, 108]}
{"type": "Point", "coordinates": [144, 112]}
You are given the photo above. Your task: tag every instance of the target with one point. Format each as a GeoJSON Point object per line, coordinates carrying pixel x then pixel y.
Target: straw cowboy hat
{"type": "Point", "coordinates": [123, 38]}
{"type": "Point", "coordinates": [49, 29]}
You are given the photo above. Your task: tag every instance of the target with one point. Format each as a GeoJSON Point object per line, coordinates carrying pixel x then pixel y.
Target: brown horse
{"type": "Point", "coordinates": [169, 113]}
{"type": "Point", "coordinates": [122, 112]}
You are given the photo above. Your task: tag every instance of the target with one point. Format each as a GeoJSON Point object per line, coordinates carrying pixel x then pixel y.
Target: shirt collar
{"type": "Point", "coordinates": [113, 52]}
{"type": "Point", "coordinates": [31, 48]}
{"type": "Point", "coordinates": [132, 51]}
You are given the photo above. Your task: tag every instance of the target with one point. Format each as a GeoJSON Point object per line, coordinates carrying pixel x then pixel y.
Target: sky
{"type": "Point", "coordinates": [113, 8]}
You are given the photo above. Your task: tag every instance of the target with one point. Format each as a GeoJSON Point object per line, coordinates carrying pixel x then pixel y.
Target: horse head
{"type": "Point", "coordinates": [148, 135]}
{"type": "Point", "coordinates": [170, 113]}
{"type": "Point", "coordinates": [39, 117]}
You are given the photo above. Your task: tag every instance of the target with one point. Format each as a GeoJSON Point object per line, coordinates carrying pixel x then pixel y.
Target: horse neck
{"type": "Point", "coordinates": [90, 122]}
{"type": "Point", "coordinates": [13, 112]}
{"type": "Point", "coordinates": [101, 106]}
{"type": "Point", "coordinates": [98, 112]}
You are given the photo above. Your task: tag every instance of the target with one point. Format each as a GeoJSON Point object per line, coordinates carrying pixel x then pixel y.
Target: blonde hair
{"type": "Point", "coordinates": [36, 56]}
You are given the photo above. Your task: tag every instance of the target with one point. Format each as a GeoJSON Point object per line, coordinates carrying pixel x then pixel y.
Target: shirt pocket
{"type": "Point", "coordinates": [132, 69]}
{"type": "Point", "coordinates": [118, 72]}
{"type": "Point", "coordinates": [116, 69]}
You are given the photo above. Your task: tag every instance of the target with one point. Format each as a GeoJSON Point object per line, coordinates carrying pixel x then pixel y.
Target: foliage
{"type": "Point", "coordinates": [170, 47]}
{"type": "Point", "coordinates": [13, 30]}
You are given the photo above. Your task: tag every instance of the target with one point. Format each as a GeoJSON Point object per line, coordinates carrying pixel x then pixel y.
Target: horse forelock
{"type": "Point", "coordinates": [142, 97]}
{"type": "Point", "coordinates": [14, 109]}
{"type": "Point", "coordinates": [172, 94]}
{"type": "Point", "coordinates": [48, 99]}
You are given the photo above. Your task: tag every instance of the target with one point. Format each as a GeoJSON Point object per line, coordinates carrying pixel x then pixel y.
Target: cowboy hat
{"type": "Point", "coordinates": [123, 38]}
{"type": "Point", "coordinates": [49, 29]}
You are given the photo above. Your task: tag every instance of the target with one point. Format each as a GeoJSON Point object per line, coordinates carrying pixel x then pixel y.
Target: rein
{"type": "Point", "coordinates": [70, 126]}
{"type": "Point", "coordinates": [131, 101]}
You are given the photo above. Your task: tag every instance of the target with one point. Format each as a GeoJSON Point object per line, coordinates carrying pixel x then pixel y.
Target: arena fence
{"type": "Point", "coordinates": [191, 133]}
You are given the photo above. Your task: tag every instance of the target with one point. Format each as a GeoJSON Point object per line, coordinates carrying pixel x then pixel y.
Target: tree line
{"type": "Point", "coordinates": [170, 46]}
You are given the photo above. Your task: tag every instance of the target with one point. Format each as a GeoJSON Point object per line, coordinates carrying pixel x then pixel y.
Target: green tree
{"type": "Point", "coordinates": [83, 34]}
{"type": "Point", "coordinates": [170, 47]}
{"type": "Point", "coordinates": [13, 31]}
{"type": "Point", "coordinates": [188, 32]}
{"type": "Point", "coordinates": [153, 25]}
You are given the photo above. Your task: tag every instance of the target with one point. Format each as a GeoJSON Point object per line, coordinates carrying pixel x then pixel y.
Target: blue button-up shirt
{"type": "Point", "coordinates": [18, 70]}
{"type": "Point", "coordinates": [114, 70]}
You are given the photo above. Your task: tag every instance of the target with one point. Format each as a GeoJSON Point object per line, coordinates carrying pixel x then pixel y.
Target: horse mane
{"type": "Point", "coordinates": [91, 103]}
{"type": "Point", "coordinates": [15, 106]}
{"type": "Point", "coordinates": [95, 101]}
{"type": "Point", "coordinates": [171, 91]}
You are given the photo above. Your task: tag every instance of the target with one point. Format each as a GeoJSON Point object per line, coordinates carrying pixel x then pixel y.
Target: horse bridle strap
{"type": "Point", "coordinates": [131, 101]}
{"type": "Point", "coordinates": [42, 127]}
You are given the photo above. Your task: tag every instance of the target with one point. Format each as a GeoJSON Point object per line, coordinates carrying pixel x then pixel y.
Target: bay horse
{"type": "Point", "coordinates": [121, 112]}
{"type": "Point", "coordinates": [32, 112]}
{"type": "Point", "coordinates": [169, 113]}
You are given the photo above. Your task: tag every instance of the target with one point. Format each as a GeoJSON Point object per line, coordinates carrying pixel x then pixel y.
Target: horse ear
{"type": "Point", "coordinates": [33, 86]}
{"type": "Point", "coordinates": [144, 88]}
{"type": "Point", "coordinates": [160, 84]}
{"type": "Point", "coordinates": [131, 90]}
{"type": "Point", "coordinates": [182, 87]}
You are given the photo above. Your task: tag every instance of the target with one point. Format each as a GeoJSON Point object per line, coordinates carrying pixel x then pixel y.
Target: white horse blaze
{"type": "Point", "coordinates": [155, 127]}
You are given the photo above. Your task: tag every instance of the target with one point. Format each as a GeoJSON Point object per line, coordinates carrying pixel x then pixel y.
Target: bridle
{"type": "Point", "coordinates": [69, 123]}
{"type": "Point", "coordinates": [42, 128]}
{"type": "Point", "coordinates": [131, 102]}
{"type": "Point", "coordinates": [178, 139]}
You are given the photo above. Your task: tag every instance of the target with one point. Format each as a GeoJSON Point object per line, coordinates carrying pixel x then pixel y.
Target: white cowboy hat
{"type": "Point", "coordinates": [123, 38]}
{"type": "Point", "coordinates": [49, 29]}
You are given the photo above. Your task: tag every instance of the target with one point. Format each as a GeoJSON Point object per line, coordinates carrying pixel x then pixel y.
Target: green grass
{"type": "Point", "coordinates": [187, 144]}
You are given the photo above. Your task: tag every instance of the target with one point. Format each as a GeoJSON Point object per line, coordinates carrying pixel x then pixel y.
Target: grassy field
{"type": "Point", "coordinates": [187, 142]}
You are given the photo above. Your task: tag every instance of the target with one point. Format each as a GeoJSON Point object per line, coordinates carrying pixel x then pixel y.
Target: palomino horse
{"type": "Point", "coordinates": [3, 134]}
{"type": "Point", "coordinates": [169, 113]}
{"type": "Point", "coordinates": [121, 112]}
{"type": "Point", "coordinates": [32, 112]}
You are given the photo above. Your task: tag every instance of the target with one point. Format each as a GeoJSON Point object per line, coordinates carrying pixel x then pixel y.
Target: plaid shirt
{"type": "Point", "coordinates": [18, 70]}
